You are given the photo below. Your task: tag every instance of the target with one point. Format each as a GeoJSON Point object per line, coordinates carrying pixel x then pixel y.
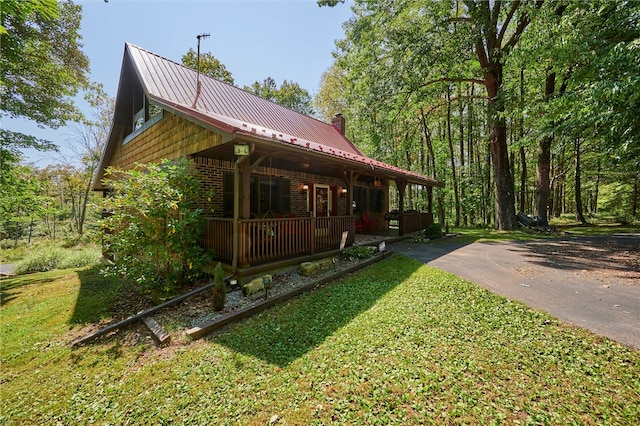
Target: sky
{"type": "Point", "coordinates": [254, 39]}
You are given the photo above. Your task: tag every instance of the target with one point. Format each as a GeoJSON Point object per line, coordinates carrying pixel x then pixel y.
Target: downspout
{"type": "Point", "coordinates": [236, 209]}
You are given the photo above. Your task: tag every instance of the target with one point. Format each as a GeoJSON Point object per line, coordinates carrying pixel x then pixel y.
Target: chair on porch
{"type": "Point", "coordinates": [367, 224]}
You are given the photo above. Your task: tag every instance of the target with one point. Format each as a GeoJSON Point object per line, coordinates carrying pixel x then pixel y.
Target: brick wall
{"type": "Point", "coordinates": [211, 172]}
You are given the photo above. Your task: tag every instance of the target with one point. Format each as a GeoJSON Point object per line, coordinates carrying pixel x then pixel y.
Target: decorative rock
{"type": "Point", "coordinates": [252, 287]}
{"type": "Point", "coordinates": [309, 269]}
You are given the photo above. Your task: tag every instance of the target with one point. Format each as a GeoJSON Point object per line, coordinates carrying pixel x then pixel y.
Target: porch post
{"type": "Point", "coordinates": [401, 184]}
{"type": "Point", "coordinates": [241, 207]}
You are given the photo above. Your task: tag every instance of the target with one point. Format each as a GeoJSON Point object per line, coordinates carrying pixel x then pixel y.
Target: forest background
{"type": "Point", "coordinates": [515, 106]}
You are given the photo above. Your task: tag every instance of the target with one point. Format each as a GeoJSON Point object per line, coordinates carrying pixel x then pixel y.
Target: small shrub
{"type": "Point", "coordinates": [47, 258]}
{"type": "Point", "coordinates": [80, 258]}
{"type": "Point", "coordinates": [433, 231]}
{"type": "Point", "coordinates": [358, 253]}
{"type": "Point", "coordinates": [43, 260]}
{"type": "Point", "coordinates": [219, 289]}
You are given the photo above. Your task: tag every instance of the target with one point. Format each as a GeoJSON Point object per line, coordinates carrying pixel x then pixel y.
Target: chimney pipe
{"type": "Point", "coordinates": [338, 122]}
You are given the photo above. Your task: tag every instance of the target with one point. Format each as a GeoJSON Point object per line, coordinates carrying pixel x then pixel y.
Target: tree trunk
{"type": "Point", "coordinates": [578, 189]}
{"type": "Point", "coordinates": [503, 187]}
{"type": "Point", "coordinates": [634, 209]}
{"type": "Point", "coordinates": [523, 157]}
{"type": "Point", "coordinates": [456, 194]}
{"type": "Point", "coordinates": [544, 159]}
{"type": "Point", "coordinates": [462, 173]}
{"type": "Point", "coordinates": [523, 180]}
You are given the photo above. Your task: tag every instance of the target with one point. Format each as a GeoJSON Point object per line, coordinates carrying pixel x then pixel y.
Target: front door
{"type": "Point", "coordinates": [321, 200]}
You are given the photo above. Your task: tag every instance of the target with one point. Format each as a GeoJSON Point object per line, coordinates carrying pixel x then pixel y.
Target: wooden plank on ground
{"type": "Point", "coordinates": [119, 324]}
{"type": "Point", "coordinates": [159, 335]}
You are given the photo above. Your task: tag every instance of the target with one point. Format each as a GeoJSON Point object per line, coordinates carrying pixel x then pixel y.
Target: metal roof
{"type": "Point", "coordinates": [237, 112]}
{"type": "Point", "coordinates": [165, 80]}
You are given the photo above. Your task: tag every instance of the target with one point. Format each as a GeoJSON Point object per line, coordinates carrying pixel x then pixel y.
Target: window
{"type": "Point", "coordinates": [360, 199]}
{"type": "Point", "coordinates": [376, 200]}
{"type": "Point", "coordinates": [143, 118]}
{"type": "Point", "coordinates": [269, 195]}
{"type": "Point", "coordinates": [227, 195]}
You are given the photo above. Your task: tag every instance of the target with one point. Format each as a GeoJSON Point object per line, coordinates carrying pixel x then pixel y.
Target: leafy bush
{"type": "Point", "coordinates": [358, 253]}
{"type": "Point", "coordinates": [47, 258]}
{"type": "Point", "coordinates": [80, 258]}
{"type": "Point", "coordinates": [433, 231]}
{"type": "Point", "coordinates": [42, 260]}
{"type": "Point", "coordinates": [219, 289]}
{"type": "Point", "coordinates": [155, 225]}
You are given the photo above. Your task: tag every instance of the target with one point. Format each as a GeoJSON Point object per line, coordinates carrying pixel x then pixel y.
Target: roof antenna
{"type": "Point", "coordinates": [199, 36]}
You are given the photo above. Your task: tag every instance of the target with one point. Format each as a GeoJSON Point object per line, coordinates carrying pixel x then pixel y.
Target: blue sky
{"type": "Point", "coordinates": [254, 39]}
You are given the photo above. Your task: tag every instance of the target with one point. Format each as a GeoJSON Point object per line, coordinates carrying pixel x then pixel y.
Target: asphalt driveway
{"type": "Point", "coordinates": [591, 282]}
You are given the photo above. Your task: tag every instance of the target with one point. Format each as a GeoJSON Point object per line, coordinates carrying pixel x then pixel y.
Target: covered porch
{"type": "Point", "coordinates": [324, 209]}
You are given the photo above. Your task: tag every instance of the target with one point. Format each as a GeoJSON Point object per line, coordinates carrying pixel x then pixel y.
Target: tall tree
{"type": "Point", "coordinates": [426, 43]}
{"type": "Point", "coordinates": [42, 65]}
{"type": "Point", "coordinates": [89, 141]}
{"type": "Point", "coordinates": [209, 65]}
{"type": "Point", "coordinates": [289, 94]}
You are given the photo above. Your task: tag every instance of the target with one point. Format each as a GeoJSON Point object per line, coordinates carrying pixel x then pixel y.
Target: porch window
{"type": "Point", "coordinates": [367, 200]}
{"type": "Point", "coordinates": [376, 200]}
{"type": "Point", "coordinates": [269, 195]}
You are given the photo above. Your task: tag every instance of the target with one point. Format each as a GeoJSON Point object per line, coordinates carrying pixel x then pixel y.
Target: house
{"type": "Point", "coordinates": [286, 185]}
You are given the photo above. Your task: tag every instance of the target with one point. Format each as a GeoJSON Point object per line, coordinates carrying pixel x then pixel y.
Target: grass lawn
{"type": "Point", "coordinates": [397, 343]}
{"type": "Point", "coordinates": [565, 229]}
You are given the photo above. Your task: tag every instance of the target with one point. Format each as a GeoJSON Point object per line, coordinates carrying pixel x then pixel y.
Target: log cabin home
{"type": "Point", "coordinates": [286, 185]}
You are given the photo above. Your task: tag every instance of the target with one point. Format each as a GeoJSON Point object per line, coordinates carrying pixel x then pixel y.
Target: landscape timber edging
{"type": "Point", "coordinates": [198, 332]}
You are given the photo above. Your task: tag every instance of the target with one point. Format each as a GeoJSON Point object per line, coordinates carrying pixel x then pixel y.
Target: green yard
{"type": "Point", "coordinates": [397, 343]}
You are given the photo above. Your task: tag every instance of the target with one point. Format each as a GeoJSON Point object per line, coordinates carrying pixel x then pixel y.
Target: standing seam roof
{"type": "Point", "coordinates": [166, 80]}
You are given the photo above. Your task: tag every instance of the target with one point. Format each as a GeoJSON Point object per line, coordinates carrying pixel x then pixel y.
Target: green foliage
{"type": "Point", "coordinates": [433, 231]}
{"type": "Point", "coordinates": [155, 225]}
{"type": "Point", "coordinates": [42, 64]}
{"type": "Point", "coordinates": [47, 258]}
{"type": "Point", "coordinates": [219, 288]}
{"type": "Point", "coordinates": [289, 94]}
{"type": "Point", "coordinates": [209, 65]}
{"type": "Point", "coordinates": [358, 252]}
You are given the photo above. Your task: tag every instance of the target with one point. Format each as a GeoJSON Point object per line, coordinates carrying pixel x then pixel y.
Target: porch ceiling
{"type": "Point", "coordinates": [287, 157]}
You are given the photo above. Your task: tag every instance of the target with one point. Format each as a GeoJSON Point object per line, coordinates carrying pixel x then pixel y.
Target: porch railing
{"type": "Point", "coordinates": [412, 222]}
{"type": "Point", "coordinates": [267, 240]}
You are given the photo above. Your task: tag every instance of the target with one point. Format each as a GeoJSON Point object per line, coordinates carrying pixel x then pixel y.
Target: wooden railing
{"type": "Point", "coordinates": [267, 240]}
{"type": "Point", "coordinates": [412, 222]}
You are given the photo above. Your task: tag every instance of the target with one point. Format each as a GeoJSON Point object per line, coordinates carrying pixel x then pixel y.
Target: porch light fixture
{"type": "Point", "coordinates": [241, 149]}
{"type": "Point", "coordinates": [343, 191]}
{"type": "Point", "coordinates": [305, 187]}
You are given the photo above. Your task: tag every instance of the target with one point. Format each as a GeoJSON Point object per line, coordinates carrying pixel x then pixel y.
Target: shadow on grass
{"type": "Point", "coordinates": [10, 285]}
{"type": "Point", "coordinates": [96, 296]}
{"type": "Point", "coordinates": [286, 332]}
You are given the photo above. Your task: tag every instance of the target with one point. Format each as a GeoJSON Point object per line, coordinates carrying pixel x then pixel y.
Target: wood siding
{"type": "Point", "coordinates": [171, 138]}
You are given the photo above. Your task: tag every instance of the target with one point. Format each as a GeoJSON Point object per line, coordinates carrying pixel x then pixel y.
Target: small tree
{"type": "Point", "coordinates": [155, 225]}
